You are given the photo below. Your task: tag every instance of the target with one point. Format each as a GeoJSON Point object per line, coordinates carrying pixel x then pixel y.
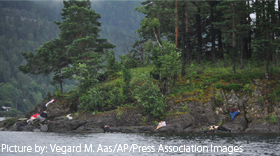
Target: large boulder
{"type": "Point", "coordinates": [262, 126]}
{"type": "Point", "coordinates": [238, 125]}
{"type": "Point", "coordinates": [60, 107]}
{"type": "Point", "coordinates": [178, 123]}
{"type": "Point", "coordinates": [64, 125]}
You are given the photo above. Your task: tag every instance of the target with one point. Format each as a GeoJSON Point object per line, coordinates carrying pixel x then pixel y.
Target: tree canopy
{"type": "Point", "coordinates": [79, 42]}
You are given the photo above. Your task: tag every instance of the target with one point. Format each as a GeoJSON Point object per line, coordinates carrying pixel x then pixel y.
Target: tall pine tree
{"type": "Point", "coordinates": [78, 43]}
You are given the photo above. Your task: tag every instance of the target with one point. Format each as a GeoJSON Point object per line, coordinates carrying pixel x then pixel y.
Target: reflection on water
{"type": "Point", "coordinates": [137, 144]}
{"type": "Point", "coordinates": [2, 118]}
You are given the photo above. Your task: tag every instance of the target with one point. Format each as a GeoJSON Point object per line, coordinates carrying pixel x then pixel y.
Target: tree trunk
{"type": "Point", "coordinates": [267, 65]}
{"type": "Point", "coordinates": [224, 95]}
{"type": "Point", "coordinates": [220, 44]}
{"type": "Point", "coordinates": [233, 39]}
{"type": "Point", "coordinates": [184, 49]}
{"type": "Point", "coordinates": [142, 55]}
{"type": "Point", "coordinates": [158, 31]}
{"type": "Point", "coordinates": [169, 84]}
{"type": "Point", "coordinates": [242, 53]}
{"type": "Point", "coordinates": [60, 82]}
{"type": "Point", "coordinates": [176, 23]}
{"type": "Point", "coordinates": [249, 39]}
{"type": "Point", "coordinates": [279, 7]}
{"type": "Point", "coordinates": [174, 80]}
{"type": "Point", "coordinates": [257, 31]}
{"type": "Point", "coordinates": [189, 49]}
{"type": "Point", "coordinates": [212, 30]}
{"type": "Point", "coordinates": [198, 33]}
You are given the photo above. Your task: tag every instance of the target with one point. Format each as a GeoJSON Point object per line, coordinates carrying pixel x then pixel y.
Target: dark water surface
{"type": "Point", "coordinates": [39, 143]}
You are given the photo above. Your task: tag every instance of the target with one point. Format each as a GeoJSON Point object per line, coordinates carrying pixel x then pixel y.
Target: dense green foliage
{"type": "Point", "coordinates": [25, 26]}
{"type": "Point", "coordinates": [77, 51]}
{"type": "Point", "coordinates": [182, 48]}
{"type": "Point", "coordinates": [149, 97]}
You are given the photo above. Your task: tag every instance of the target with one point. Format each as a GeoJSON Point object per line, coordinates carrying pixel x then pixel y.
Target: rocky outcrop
{"type": "Point", "coordinates": [64, 125]}
{"type": "Point", "coordinates": [185, 115]}
{"type": "Point", "coordinates": [263, 126]}
{"type": "Point", "coordinates": [238, 125]}
{"type": "Point", "coordinates": [60, 107]}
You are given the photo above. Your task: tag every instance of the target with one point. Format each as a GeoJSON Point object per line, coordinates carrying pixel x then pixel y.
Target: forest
{"type": "Point", "coordinates": [177, 47]}
{"type": "Point", "coordinates": [26, 25]}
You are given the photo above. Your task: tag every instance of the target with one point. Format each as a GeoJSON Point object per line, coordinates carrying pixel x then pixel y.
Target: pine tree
{"type": "Point", "coordinates": [233, 26]}
{"type": "Point", "coordinates": [78, 43]}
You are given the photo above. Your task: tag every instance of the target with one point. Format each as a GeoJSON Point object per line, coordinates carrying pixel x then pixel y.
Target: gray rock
{"type": "Point", "coordinates": [167, 129]}
{"type": "Point", "coordinates": [238, 125]}
{"type": "Point", "coordinates": [44, 128]}
{"type": "Point", "coordinates": [258, 126]}
{"type": "Point", "coordinates": [62, 125]}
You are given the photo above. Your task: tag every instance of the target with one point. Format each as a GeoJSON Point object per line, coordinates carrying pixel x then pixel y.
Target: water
{"type": "Point", "coordinates": [2, 118]}
{"type": "Point", "coordinates": [30, 143]}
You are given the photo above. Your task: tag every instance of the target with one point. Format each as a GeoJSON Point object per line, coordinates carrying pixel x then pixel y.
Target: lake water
{"type": "Point", "coordinates": [40, 143]}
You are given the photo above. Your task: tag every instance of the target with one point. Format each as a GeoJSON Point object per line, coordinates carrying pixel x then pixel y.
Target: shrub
{"type": "Point", "coordinates": [229, 87]}
{"type": "Point", "coordinates": [92, 100]}
{"type": "Point", "coordinates": [9, 121]}
{"type": "Point", "coordinates": [235, 87]}
{"type": "Point", "coordinates": [273, 118]}
{"type": "Point", "coordinates": [150, 99]}
{"type": "Point", "coordinates": [115, 97]}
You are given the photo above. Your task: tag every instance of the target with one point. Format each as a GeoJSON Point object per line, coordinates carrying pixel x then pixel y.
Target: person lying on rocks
{"type": "Point", "coordinates": [43, 116]}
{"type": "Point", "coordinates": [221, 128]}
{"type": "Point", "coordinates": [107, 128]}
{"type": "Point", "coordinates": [40, 116]}
{"type": "Point", "coordinates": [33, 117]}
{"type": "Point", "coordinates": [161, 124]}
{"type": "Point", "coordinates": [233, 113]}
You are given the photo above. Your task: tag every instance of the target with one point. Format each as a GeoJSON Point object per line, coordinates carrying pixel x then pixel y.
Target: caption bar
{"type": "Point", "coordinates": [120, 148]}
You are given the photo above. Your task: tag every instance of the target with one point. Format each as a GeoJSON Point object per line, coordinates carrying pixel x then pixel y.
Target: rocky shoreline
{"type": "Point", "coordinates": [132, 122]}
{"type": "Point", "coordinates": [185, 115]}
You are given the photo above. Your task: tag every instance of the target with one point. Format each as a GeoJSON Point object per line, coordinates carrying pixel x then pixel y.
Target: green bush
{"type": "Point", "coordinates": [9, 121]}
{"type": "Point", "coordinates": [229, 87]}
{"type": "Point", "coordinates": [273, 118]}
{"type": "Point", "coordinates": [219, 86]}
{"type": "Point", "coordinates": [235, 87]}
{"type": "Point", "coordinates": [126, 78]}
{"type": "Point", "coordinates": [92, 100]}
{"type": "Point", "coordinates": [149, 97]}
{"type": "Point", "coordinates": [115, 97]}
{"type": "Point", "coordinates": [247, 89]}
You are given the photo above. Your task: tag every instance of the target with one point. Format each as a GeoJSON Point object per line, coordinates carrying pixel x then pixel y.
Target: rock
{"type": "Point", "coordinates": [128, 130]}
{"type": "Point", "coordinates": [28, 128]}
{"type": "Point", "coordinates": [238, 125]}
{"type": "Point", "coordinates": [36, 130]}
{"type": "Point", "coordinates": [64, 124]}
{"type": "Point", "coordinates": [96, 130]}
{"type": "Point", "coordinates": [179, 122]}
{"type": "Point", "coordinates": [44, 128]}
{"type": "Point", "coordinates": [116, 129]}
{"type": "Point", "coordinates": [259, 126]}
{"type": "Point", "coordinates": [233, 100]}
{"type": "Point", "coordinates": [274, 129]}
{"type": "Point", "coordinates": [60, 107]}
{"type": "Point", "coordinates": [13, 128]}
{"type": "Point", "coordinates": [167, 129]}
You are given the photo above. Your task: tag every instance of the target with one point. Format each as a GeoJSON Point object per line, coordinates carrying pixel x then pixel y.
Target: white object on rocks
{"type": "Point", "coordinates": [69, 117]}
{"type": "Point", "coordinates": [52, 101]}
